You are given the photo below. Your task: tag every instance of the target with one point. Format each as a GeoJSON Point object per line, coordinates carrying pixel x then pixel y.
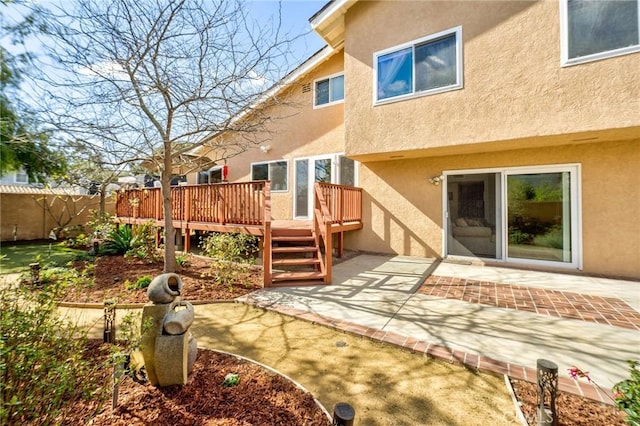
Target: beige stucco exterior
{"type": "Point", "coordinates": [404, 212]}
{"type": "Point", "coordinates": [514, 87]}
{"type": "Point", "coordinates": [296, 130]}
{"type": "Point", "coordinates": [518, 107]}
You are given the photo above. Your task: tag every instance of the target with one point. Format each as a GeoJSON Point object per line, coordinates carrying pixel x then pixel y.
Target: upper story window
{"type": "Point", "coordinates": [275, 171]}
{"type": "Point", "coordinates": [328, 91]}
{"type": "Point", "coordinates": [593, 30]}
{"type": "Point", "coordinates": [426, 66]}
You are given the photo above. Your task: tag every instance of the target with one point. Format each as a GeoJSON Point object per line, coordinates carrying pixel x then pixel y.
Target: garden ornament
{"type": "Point", "coordinates": [168, 348]}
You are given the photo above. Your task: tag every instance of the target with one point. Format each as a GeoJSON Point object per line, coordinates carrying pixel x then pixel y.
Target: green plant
{"type": "Point", "coordinates": [119, 240]}
{"type": "Point", "coordinates": [143, 242]}
{"type": "Point", "coordinates": [231, 380]}
{"type": "Point", "coordinates": [42, 367]}
{"type": "Point", "coordinates": [518, 237]}
{"type": "Point", "coordinates": [142, 282]}
{"type": "Point", "coordinates": [100, 225]}
{"type": "Point", "coordinates": [230, 246]}
{"type": "Point", "coordinates": [553, 238]}
{"type": "Point", "coordinates": [627, 394]}
{"type": "Point", "coordinates": [183, 260]}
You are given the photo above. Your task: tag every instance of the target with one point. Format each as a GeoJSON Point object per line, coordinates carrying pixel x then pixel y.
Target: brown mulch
{"type": "Point", "coordinates": [111, 273]}
{"type": "Point", "coordinates": [573, 410]}
{"type": "Point", "coordinates": [198, 277]}
{"type": "Point", "coordinates": [260, 398]}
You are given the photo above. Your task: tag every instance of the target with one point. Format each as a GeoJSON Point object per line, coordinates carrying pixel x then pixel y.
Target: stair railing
{"type": "Point", "coordinates": [266, 240]}
{"type": "Point", "coordinates": [322, 222]}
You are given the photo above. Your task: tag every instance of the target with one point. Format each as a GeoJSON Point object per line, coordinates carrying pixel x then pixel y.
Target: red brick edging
{"type": "Point", "coordinates": [468, 360]}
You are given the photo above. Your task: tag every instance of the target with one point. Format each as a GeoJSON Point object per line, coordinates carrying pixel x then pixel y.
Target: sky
{"type": "Point", "coordinates": [295, 20]}
{"type": "Point", "coordinates": [295, 17]}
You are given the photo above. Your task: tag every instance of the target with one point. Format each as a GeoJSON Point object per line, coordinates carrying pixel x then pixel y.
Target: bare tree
{"type": "Point", "coordinates": [152, 80]}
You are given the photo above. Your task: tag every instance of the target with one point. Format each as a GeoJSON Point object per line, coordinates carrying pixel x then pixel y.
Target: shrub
{"type": "Point", "coordinates": [182, 260]}
{"type": "Point", "coordinates": [230, 246]}
{"type": "Point", "coordinates": [553, 238]}
{"type": "Point", "coordinates": [143, 242]}
{"type": "Point", "coordinates": [42, 366]}
{"type": "Point", "coordinates": [119, 240]}
{"type": "Point", "coordinates": [142, 282]}
{"type": "Point", "coordinates": [627, 394]}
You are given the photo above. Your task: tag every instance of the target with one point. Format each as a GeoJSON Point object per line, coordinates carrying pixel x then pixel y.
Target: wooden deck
{"type": "Point", "coordinates": [246, 208]}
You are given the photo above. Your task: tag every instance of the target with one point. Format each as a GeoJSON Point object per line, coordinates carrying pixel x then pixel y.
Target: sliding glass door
{"type": "Point", "coordinates": [539, 216]}
{"type": "Point", "coordinates": [525, 215]}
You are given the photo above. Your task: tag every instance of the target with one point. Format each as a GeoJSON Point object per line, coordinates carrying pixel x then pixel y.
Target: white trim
{"type": "Point", "coordinates": [565, 61]}
{"type": "Point", "coordinates": [335, 178]}
{"type": "Point", "coordinates": [575, 171]}
{"type": "Point", "coordinates": [329, 78]}
{"type": "Point", "coordinates": [457, 31]}
{"type": "Point", "coordinates": [282, 160]}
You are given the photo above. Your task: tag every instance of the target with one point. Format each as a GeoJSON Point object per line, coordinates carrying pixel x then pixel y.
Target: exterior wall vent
{"type": "Point", "coordinates": [306, 88]}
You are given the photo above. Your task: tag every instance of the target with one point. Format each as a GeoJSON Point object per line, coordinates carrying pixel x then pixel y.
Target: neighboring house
{"type": "Point", "coordinates": [502, 131]}
{"type": "Point", "coordinates": [19, 177]}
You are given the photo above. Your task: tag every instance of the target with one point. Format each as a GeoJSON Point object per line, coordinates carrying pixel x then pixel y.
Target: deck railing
{"type": "Point", "coordinates": [344, 203]}
{"type": "Point", "coordinates": [234, 203]}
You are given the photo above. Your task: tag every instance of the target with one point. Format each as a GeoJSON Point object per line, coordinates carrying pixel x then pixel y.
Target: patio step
{"type": "Point", "coordinates": [295, 249]}
{"type": "Point", "coordinates": [297, 276]}
{"type": "Point", "coordinates": [296, 261]}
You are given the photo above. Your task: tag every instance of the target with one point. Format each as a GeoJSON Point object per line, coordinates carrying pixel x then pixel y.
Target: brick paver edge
{"type": "Point", "coordinates": [468, 360]}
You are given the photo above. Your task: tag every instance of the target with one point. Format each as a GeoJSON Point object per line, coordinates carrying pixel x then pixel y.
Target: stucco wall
{"type": "Point", "coordinates": [514, 85]}
{"type": "Point", "coordinates": [295, 130]}
{"type": "Point", "coordinates": [25, 213]}
{"type": "Point", "coordinates": [403, 212]}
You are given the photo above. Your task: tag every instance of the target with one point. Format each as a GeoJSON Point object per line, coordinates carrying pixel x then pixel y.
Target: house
{"type": "Point", "coordinates": [502, 132]}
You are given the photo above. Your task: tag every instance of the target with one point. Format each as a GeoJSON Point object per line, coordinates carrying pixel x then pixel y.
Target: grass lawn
{"type": "Point", "coordinates": [16, 258]}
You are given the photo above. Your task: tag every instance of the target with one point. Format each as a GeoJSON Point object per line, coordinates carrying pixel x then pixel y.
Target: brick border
{"type": "Point", "coordinates": [468, 360]}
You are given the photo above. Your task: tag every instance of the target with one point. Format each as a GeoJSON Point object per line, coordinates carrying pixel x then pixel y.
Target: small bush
{"type": "Point", "coordinates": [552, 239]}
{"type": "Point", "coordinates": [42, 366]}
{"type": "Point", "coordinates": [141, 283]}
{"type": "Point", "coordinates": [183, 260]}
{"type": "Point", "coordinates": [119, 240]}
{"type": "Point", "coordinates": [627, 394]}
{"type": "Point", "coordinates": [230, 246]}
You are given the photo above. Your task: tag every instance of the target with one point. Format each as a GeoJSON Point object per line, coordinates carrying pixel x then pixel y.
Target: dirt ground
{"type": "Point", "coordinates": [385, 385]}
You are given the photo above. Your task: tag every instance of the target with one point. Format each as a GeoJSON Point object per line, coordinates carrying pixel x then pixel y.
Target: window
{"type": "Point", "coordinates": [21, 177]}
{"type": "Point", "coordinates": [426, 66]}
{"type": "Point", "coordinates": [329, 91]}
{"type": "Point", "coordinates": [593, 30]}
{"type": "Point", "coordinates": [275, 171]}
{"type": "Point", "coordinates": [210, 176]}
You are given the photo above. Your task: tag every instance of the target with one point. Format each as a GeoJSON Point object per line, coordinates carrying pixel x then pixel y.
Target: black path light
{"type": "Point", "coordinates": [547, 372]}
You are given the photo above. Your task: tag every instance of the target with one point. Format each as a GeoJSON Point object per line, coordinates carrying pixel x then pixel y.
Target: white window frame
{"type": "Point", "coordinates": [335, 178]}
{"type": "Point", "coordinates": [459, 67]}
{"type": "Point", "coordinates": [269, 172]}
{"type": "Point", "coordinates": [565, 61]}
{"type": "Point", "coordinates": [328, 78]}
{"type": "Point", "coordinates": [19, 174]}
{"type": "Point", "coordinates": [575, 171]}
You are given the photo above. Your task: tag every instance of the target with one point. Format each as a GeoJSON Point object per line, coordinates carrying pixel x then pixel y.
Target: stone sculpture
{"type": "Point", "coordinates": [168, 348]}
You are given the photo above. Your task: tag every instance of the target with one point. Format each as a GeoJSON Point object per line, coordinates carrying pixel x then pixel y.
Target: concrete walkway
{"type": "Point", "coordinates": [379, 297]}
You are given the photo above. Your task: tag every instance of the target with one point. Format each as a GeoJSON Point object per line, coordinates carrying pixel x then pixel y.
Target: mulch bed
{"type": "Point", "coordinates": [198, 277]}
{"type": "Point", "coordinates": [573, 410]}
{"type": "Point", "coordinates": [260, 398]}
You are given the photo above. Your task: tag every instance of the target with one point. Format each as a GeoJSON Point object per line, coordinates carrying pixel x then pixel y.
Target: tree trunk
{"type": "Point", "coordinates": [169, 231]}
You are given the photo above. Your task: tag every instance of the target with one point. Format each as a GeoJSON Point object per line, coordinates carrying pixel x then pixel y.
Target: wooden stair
{"type": "Point", "coordinates": [295, 258]}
